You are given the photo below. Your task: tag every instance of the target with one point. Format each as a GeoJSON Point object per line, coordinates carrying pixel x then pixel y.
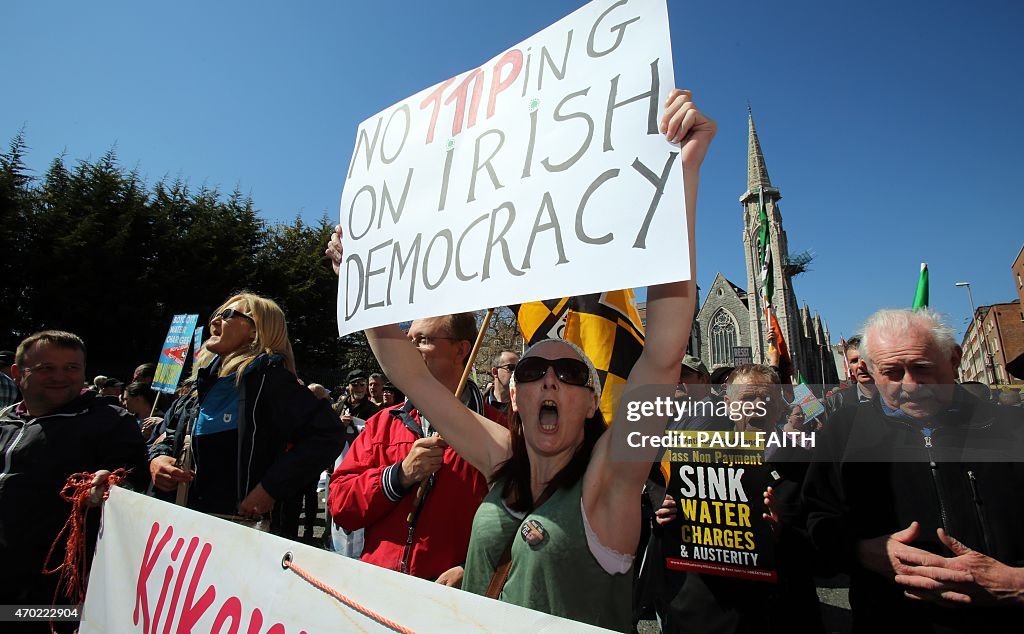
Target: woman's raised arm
{"type": "Point", "coordinates": [482, 442]}
{"type": "Point", "coordinates": [610, 487]}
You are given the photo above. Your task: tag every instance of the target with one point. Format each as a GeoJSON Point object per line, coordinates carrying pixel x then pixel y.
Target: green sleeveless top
{"type": "Point", "coordinates": [554, 571]}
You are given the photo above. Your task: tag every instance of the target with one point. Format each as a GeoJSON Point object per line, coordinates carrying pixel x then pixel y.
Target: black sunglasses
{"type": "Point", "coordinates": [569, 371]}
{"type": "Point", "coordinates": [228, 313]}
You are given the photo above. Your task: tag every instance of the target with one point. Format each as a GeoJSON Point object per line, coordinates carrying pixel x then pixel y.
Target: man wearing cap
{"type": "Point", "coordinates": [356, 402]}
{"type": "Point", "coordinates": [9, 393]}
{"type": "Point", "coordinates": [695, 387]}
{"type": "Point", "coordinates": [391, 396]}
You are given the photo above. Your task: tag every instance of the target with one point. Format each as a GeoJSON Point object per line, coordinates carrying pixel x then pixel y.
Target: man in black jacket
{"type": "Point", "coordinates": [863, 387]}
{"type": "Point", "coordinates": [919, 494]}
{"type": "Point", "coordinates": [356, 403]}
{"type": "Point", "coordinates": [697, 601]}
{"type": "Point", "coordinates": [55, 431]}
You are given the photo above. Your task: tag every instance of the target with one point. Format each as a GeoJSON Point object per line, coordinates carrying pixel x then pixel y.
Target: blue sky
{"type": "Point", "coordinates": [893, 129]}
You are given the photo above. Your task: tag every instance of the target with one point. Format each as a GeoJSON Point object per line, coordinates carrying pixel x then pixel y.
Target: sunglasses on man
{"type": "Point", "coordinates": [568, 371]}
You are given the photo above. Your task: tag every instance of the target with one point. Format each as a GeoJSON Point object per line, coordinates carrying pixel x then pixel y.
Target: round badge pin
{"type": "Point", "coordinates": [533, 532]}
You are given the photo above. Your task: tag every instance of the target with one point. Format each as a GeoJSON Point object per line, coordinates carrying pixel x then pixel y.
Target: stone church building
{"type": "Point", "coordinates": [730, 325]}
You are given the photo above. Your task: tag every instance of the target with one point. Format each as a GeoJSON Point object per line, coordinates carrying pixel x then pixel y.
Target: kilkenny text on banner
{"type": "Point", "coordinates": [173, 353]}
{"type": "Point", "coordinates": [540, 173]}
{"type": "Point", "coordinates": [160, 567]}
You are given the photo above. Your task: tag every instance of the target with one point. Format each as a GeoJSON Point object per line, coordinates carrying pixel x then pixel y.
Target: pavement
{"type": "Point", "coordinates": [834, 594]}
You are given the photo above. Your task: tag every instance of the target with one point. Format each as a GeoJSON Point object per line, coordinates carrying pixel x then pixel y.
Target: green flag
{"type": "Point", "coordinates": [764, 254]}
{"type": "Point", "coordinates": [921, 296]}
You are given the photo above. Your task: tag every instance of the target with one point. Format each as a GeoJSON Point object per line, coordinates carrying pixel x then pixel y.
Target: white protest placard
{"type": "Point", "coordinates": [540, 173]}
{"type": "Point", "coordinates": [164, 568]}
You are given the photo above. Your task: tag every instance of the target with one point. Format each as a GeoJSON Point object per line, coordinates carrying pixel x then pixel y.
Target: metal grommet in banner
{"type": "Point", "coordinates": [286, 560]}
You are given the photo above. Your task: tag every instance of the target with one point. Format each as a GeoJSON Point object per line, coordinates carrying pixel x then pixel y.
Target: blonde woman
{"type": "Point", "coordinates": [257, 435]}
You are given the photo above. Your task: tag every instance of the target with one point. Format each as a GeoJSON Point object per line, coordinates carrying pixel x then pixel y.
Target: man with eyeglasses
{"type": "Point", "coordinates": [56, 430]}
{"type": "Point", "coordinates": [918, 494]}
{"type": "Point", "coordinates": [753, 396]}
{"type": "Point", "coordinates": [414, 496]}
{"type": "Point", "coordinates": [499, 396]}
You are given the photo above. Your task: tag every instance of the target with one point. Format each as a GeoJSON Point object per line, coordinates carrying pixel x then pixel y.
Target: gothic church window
{"type": "Point", "coordinates": [723, 337]}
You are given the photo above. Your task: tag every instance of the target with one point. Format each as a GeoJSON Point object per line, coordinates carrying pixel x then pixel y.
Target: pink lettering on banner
{"type": "Point", "coordinates": [255, 621]}
{"type": "Point", "coordinates": [510, 65]}
{"type": "Point", "coordinates": [232, 609]}
{"type": "Point", "coordinates": [192, 545]}
{"type": "Point", "coordinates": [146, 569]}
{"type": "Point", "coordinates": [228, 617]}
{"type": "Point", "coordinates": [163, 589]}
{"type": "Point", "coordinates": [434, 97]}
{"type": "Point", "coordinates": [514, 59]}
{"type": "Point", "coordinates": [459, 97]}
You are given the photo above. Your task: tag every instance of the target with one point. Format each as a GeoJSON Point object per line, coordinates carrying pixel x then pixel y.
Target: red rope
{"type": "Point", "coordinates": [323, 587]}
{"type": "Point", "coordinates": [72, 569]}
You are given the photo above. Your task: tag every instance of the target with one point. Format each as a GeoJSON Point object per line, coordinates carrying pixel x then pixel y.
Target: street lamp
{"type": "Point", "coordinates": [981, 333]}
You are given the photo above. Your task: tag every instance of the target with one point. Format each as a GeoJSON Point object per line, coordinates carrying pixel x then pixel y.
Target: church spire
{"type": "Point", "coordinates": [757, 171]}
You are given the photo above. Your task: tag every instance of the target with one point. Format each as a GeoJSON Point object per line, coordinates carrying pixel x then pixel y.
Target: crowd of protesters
{"type": "Point", "coordinates": [914, 486]}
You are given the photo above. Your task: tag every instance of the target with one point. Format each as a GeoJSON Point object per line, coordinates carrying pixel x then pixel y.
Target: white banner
{"type": "Point", "coordinates": [164, 568]}
{"type": "Point", "coordinates": [541, 173]}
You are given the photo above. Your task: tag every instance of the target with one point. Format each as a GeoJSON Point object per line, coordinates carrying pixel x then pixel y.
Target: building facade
{"type": "Point", "coordinates": [731, 322]}
{"type": "Point", "coordinates": [994, 337]}
{"type": "Point", "coordinates": [1018, 276]}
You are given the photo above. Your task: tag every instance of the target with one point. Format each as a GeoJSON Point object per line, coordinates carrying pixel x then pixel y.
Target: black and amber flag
{"type": "Point", "coordinates": [606, 326]}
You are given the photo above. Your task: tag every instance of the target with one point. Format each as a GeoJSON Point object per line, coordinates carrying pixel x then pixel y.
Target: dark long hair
{"type": "Point", "coordinates": [516, 470]}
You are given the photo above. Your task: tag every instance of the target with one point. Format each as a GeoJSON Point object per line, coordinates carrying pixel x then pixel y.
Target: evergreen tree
{"type": "Point", "coordinates": [93, 250]}
{"type": "Point", "coordinates": [92, 244]}
{"type": "Point", "coordinates": [294, 271]}
{"type": "Point", "coordinates": [17, 200]}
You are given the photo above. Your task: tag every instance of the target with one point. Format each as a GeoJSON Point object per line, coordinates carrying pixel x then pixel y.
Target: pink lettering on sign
{"type": "Point", "coordinates": [192, 610]}
{"type": "Point", "coordinates": [503, 75]}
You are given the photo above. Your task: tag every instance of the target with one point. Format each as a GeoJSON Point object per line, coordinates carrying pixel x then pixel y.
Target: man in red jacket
{"type": "Point", "coordinates": [375, 488]}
